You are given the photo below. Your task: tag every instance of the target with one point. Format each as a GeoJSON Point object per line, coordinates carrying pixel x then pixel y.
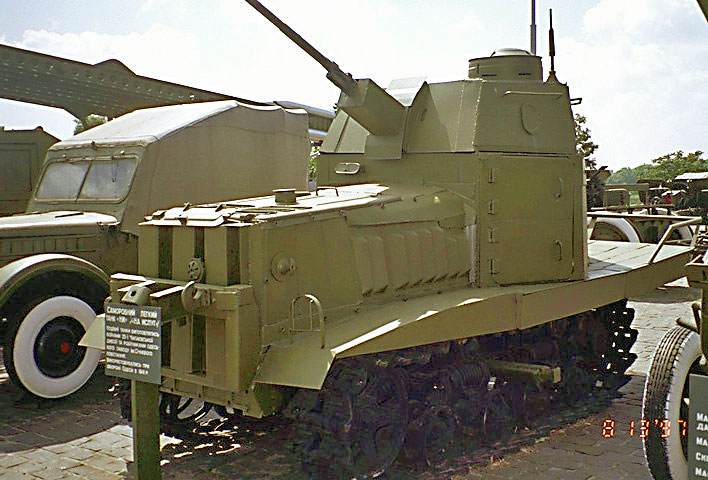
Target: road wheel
{"type": "Point", "coordinates": [666, 394]}
{"type": "Point", "coordinates": [41, 351]}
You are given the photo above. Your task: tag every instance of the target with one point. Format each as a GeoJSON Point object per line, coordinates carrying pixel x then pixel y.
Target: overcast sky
{"type": "Point", "coordinates": [641, 66]}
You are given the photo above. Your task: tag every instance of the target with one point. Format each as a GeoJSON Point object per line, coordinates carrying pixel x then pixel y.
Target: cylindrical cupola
{"type": "Point", "coordinates": [507, 64]}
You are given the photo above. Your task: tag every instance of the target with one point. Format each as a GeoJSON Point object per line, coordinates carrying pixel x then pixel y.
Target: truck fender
{"type": "Point", "coordinates": [17, 273]}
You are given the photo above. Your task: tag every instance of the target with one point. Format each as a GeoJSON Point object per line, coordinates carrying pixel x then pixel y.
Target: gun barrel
{"type": "Point", "coordinates": [345, 82]}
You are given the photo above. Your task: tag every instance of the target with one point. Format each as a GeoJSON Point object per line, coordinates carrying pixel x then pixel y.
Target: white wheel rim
{"type": "Point", "coordinates": [684, 233]}
{"type": "Point", "coordinates": [621, 225]}
{"type": "Point", "coordinates": [29, 374]}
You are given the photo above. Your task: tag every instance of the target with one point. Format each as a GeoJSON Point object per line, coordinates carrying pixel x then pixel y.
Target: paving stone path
{"type": "Point", "coordinates": [84, 437]}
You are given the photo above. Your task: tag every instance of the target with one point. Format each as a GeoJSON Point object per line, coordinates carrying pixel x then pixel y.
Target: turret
{"type": "Point", "coordinates": [502, 140]}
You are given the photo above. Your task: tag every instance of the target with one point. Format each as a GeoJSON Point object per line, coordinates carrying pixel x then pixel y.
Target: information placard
{"type": "Point", "coordinates": [698, 428]}
{"type": "Point", "coordinates": [133, 348]}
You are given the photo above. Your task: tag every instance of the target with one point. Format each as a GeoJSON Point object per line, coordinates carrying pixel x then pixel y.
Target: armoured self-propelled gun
{"type": "Point", "coordinates": [442, 277]}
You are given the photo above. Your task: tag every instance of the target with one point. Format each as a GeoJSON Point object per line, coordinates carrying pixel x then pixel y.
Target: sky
{"type": "Point", "coordinates": [641, 66]}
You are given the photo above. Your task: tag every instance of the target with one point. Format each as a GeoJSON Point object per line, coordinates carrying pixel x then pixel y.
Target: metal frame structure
{"type": "Point", "coordinates": [109, 88]}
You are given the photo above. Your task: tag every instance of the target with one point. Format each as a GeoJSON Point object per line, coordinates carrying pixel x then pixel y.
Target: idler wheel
{"type": "Point", "coordinates": [433, 435]}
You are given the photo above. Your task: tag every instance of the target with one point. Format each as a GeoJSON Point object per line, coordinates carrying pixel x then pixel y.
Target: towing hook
{"type": "Point", "coordinates": [194, 298]}
{"type": "Point", "coordinates": [137, 295]}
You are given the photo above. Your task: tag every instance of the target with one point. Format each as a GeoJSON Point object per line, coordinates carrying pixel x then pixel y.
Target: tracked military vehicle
{"type": "Point", "coordinates": [82, 221]}
{"type": "Point", "coordinates": [441, 278]}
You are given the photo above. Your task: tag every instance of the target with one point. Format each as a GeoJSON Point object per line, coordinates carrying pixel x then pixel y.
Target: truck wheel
{"type": "Point", "coordinates": [614, 229]}
{"type": "Point", "coordinates": [666, 394]}
{"type": "Point", "coordinates": [41, 351]}
{"type": "Point", "coordinates": [681, 233]}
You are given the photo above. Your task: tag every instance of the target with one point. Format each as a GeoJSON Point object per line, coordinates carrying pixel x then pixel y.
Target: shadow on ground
{"type": "Point", "coordinates": [26, 423]}
{"type": "Point", "coordinates": [670, 294]}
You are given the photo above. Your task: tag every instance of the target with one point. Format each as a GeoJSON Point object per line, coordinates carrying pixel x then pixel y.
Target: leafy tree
{"type": "Point", "coordinates": [314, 153]}
{"type": "Point", "coordinates": [88, 123]}
{"type": "Point", "coordinates": [668, 166]}
{"type": "Point", "coordinates": [583, 143]}
{"type": "Point", "coordinates": [623, 175]}
{"type": "Point", "coordinates": [665, 168]}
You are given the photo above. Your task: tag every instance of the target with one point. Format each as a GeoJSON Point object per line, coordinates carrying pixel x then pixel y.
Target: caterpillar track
{"type": "Point", "coordinates": [423, 403]}
{"type": "Point", "coordinates": [426, 404]}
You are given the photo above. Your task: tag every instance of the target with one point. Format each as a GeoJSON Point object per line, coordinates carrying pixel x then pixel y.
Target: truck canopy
{"type": "Point", "coordinates": [151, 158]}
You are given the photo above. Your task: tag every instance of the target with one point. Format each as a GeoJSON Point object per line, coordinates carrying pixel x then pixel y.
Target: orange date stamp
{"type": "Point", "coordinates": [644, 427]}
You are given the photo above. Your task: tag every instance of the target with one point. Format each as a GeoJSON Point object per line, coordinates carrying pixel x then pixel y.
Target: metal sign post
{"type": "Point", "coordinates": [146, 429]}
{"type": "Point", "coordinates": [133, 351]}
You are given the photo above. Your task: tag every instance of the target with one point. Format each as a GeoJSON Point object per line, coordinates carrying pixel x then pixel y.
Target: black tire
{"type": "Point", "coordinates": [40, 347]}
{"type": "Point", "coordinates": [676, 357]}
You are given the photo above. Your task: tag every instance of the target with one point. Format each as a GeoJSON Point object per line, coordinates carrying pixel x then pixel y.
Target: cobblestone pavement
{"type": "Point", "coordinates": [84, 437]}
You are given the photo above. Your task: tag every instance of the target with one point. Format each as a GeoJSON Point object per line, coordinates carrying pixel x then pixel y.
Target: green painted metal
{"type": "Point", "coordinates": [146, 430]}
{"type": "Point", "coordinates": [526, 372]}
{"type": "Point", "coordinates": [96, 187]}
{"type": "Point", "coordinates": [16, 274]}
{"type": "Point", "coordinates": [449, 210]}
{"type": "Point", "coordinates": [704, 7]}
{"type": "Point", "coordinates": [22, 153]}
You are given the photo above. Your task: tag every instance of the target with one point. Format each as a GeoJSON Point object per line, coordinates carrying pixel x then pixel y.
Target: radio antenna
{"type": "Point", "coordinates": [552, 47]}
{"type": "Point", "coordinates": [533, 27]}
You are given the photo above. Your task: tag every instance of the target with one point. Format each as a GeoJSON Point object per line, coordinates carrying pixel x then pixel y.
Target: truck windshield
{"type": "Point", "coordinates": [87, 179]}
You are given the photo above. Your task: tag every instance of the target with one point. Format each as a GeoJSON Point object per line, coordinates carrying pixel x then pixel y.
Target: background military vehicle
{"type": "Point", "coordinates": [83, 218]}
{"type": "Point", "coordinates": [442, 278]}
{"type": "Point", "coordinates": [689, 192]}
{"type": "Point", "coordinates": [21, 155]}
{"type": "Point", "coordinates": [650, 215]}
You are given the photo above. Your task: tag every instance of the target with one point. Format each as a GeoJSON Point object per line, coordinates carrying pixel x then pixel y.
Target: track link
{"type": "Point", "coordinates": [428, 401]}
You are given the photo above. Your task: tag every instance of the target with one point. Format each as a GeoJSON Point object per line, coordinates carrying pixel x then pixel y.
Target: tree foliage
{"type": "Point", "coordinates": [88, 123]}
{"type": "Point", "coordinates": [583, 142]}
{"type": "Point", "coordinates": [314, 153]}
{"type": "Point", "coordinates": [623, 175]}
{"type": "Point", "coordinates": [666, 168]}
